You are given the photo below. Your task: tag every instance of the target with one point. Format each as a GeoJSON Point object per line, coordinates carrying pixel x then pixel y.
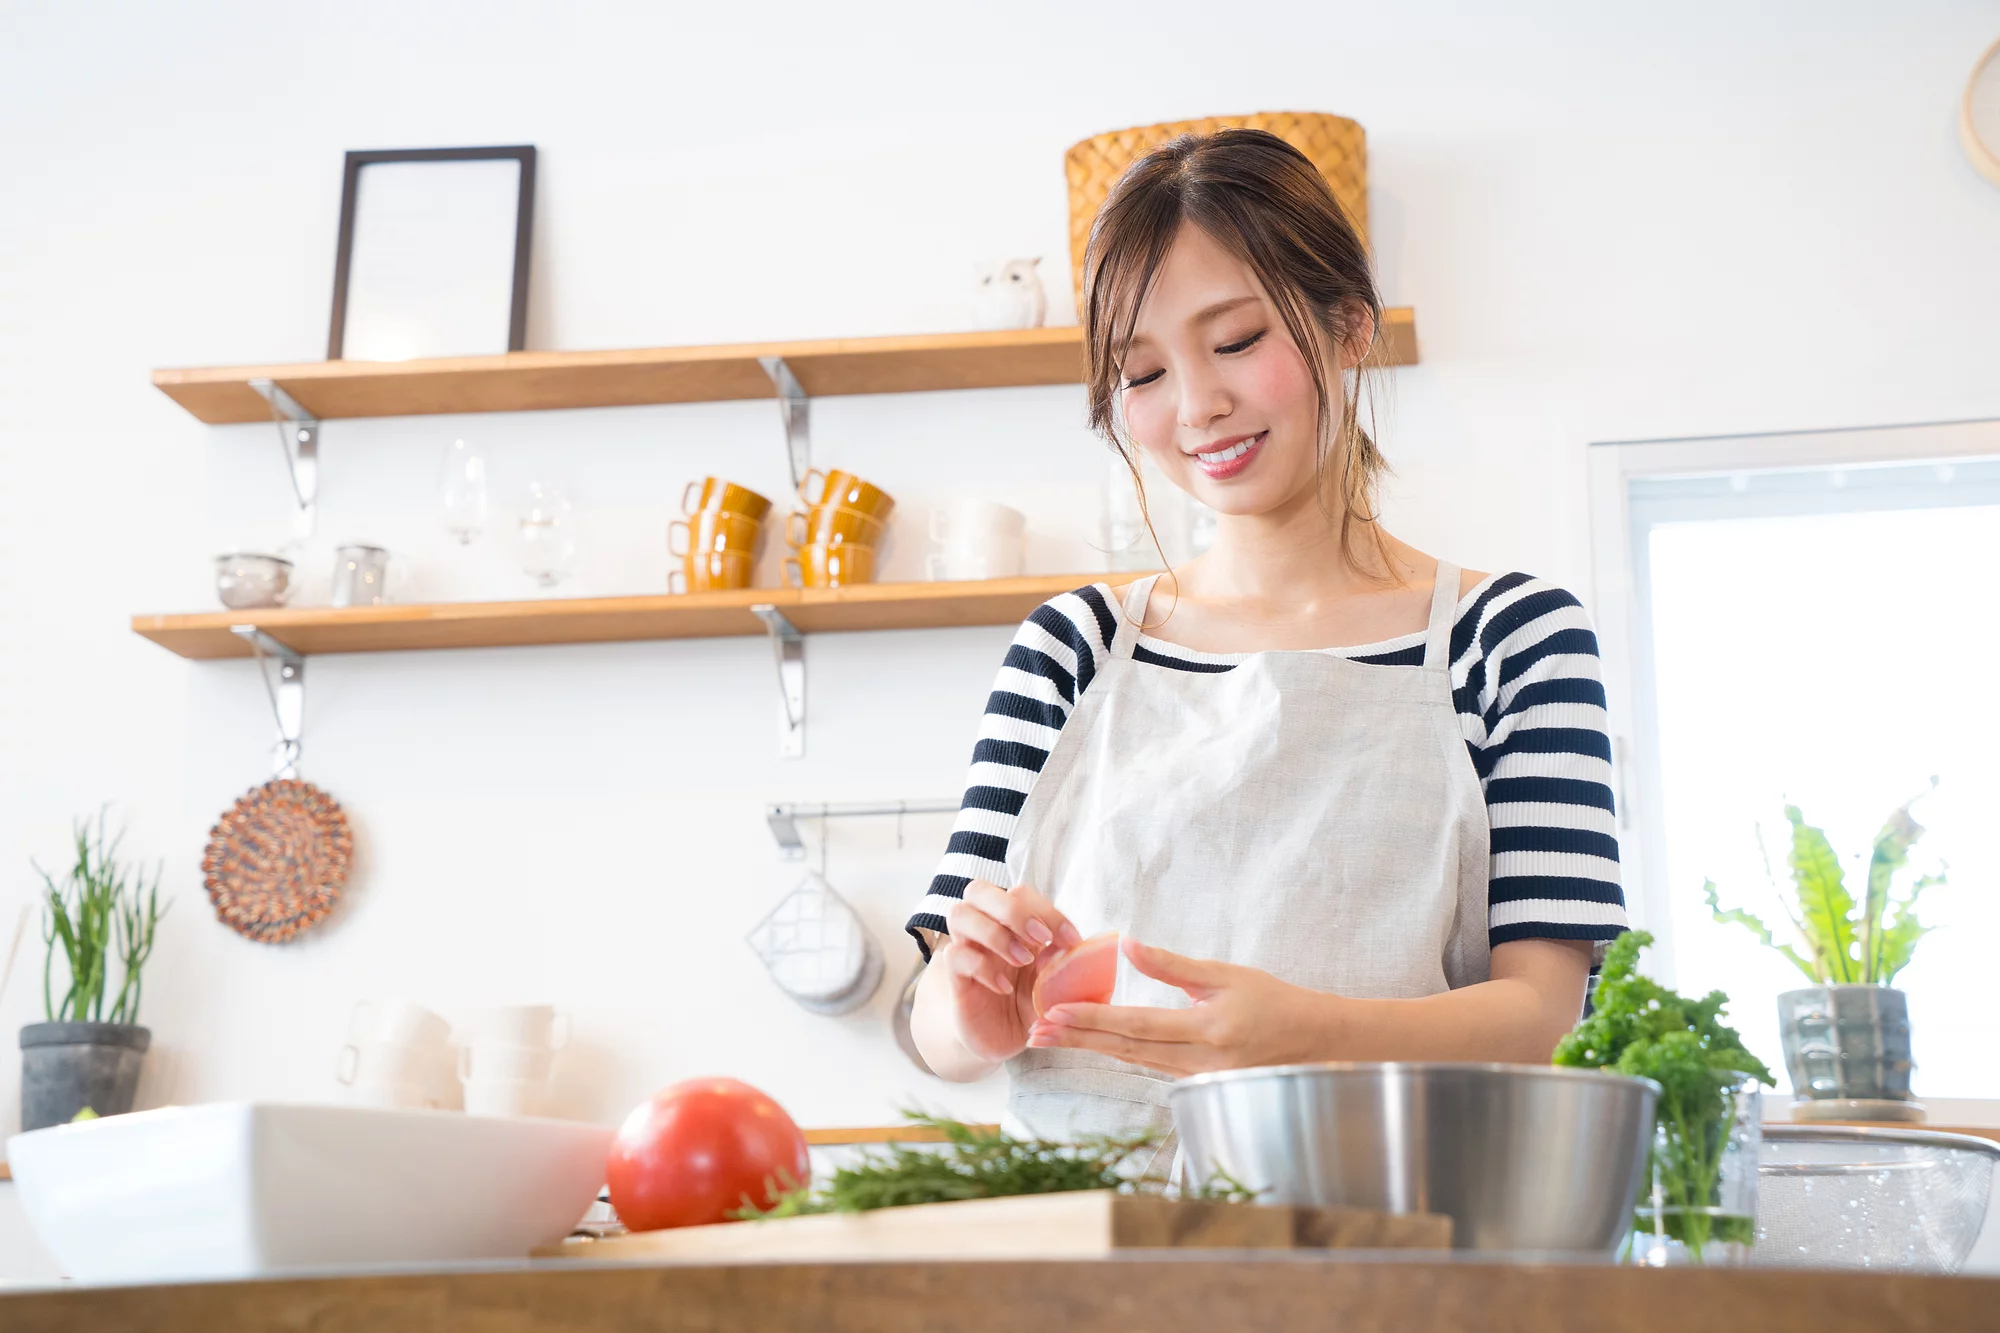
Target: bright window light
{"type": "Point", "coordinates": [1831, 639]}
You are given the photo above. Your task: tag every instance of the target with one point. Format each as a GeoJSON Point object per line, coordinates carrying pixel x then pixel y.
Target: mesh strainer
{"type": "Point", "coordinates": [1839, 1197]}
{"type": "Point", "coordinates": [818, 950]}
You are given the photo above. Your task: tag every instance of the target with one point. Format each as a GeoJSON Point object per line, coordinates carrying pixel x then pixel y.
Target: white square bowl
{"type": "Point", "coordinates": [241, 1189]}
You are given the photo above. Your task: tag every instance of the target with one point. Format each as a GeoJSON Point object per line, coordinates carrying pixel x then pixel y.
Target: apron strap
{"type": "Point", "coordinates": [1444, 605]}
{"type": "Point", "coordinates": [1136, 596]}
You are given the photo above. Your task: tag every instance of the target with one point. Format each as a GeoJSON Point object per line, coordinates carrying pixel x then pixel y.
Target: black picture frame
{"type": "Point", "coordinates": [517, 324]}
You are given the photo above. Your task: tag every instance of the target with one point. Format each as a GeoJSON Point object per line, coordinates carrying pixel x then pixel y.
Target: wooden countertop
{"type": "Point", "coordinates": [1174, 1294]}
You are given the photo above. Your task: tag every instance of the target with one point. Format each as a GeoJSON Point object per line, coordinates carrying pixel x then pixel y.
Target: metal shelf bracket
{"type": "Point", "coordinates": [788, 646]}
{"type": "Point", "coordinates": [298, 435]}
{"type": "Point", "coordinates": [795, 408]}
{"type": "Point", "coordinates": [784, 819]}
{"type": "Point", "coordinates": [287, 695]}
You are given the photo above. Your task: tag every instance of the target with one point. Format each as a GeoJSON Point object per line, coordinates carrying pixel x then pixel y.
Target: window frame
{"type": "Point", "coordinates": [1621, 588]}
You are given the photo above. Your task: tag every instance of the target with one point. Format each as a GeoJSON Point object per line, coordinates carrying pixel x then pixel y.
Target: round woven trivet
{"type": "Point", "coordinates": [278, 860]}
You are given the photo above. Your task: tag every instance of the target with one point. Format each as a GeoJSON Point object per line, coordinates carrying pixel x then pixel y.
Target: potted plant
{"type": "Point", "coordinates": [1847, 1036]}
{"type": "Point", "coordinates": [87, 1057]}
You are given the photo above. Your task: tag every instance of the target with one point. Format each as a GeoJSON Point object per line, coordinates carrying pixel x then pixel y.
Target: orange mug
{"type": "Point", "coordinates": [830, 566]}
{"type": "Point", "coordinates": [825, 526]}
{"type": "Point", "coordinates": [715, 493]}
{"type": "Point", "coordinates": [712, 572]}
{"type": "Point", "coordinates": [847, 491]}
{"type": "Point", "coordinates": [711, 530]}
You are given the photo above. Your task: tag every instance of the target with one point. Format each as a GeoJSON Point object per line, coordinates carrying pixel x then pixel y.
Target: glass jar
{"type": "Point", "coordinates": [1701, 1207]}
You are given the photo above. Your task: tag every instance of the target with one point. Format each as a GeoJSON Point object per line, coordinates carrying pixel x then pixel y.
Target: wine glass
{"type": "Point", "coordinates": [462, 491]}
{"type": "Point", "coordinates": [548, 535]}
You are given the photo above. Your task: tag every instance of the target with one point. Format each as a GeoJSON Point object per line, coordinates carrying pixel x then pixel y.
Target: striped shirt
{"type": "Point", "coordinates": [1530, 703]}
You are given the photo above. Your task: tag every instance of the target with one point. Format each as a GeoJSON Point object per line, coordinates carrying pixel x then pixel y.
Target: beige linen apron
{"type": "Point", "coordinates": [1305, 814]}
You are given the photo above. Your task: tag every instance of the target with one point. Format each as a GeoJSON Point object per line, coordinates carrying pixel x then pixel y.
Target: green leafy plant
{"type": "Point", "coordinates": [1639, 1027]}
{"type": "Point", "coordinates": [1845, 942]}
{"type": "Point", "coordinates": [976, 1162]}
{"type": "Point", "coordinates": [97, 908]}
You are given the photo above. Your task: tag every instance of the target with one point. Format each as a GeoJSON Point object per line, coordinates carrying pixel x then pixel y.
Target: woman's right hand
{"type": "Point", "coordinates": [998, 940]}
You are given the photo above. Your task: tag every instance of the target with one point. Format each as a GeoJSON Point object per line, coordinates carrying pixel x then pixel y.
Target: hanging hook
{"type": "Point", "coordinates": [902, 808]}
{"type": "Point", "coordinates": [287, 694]}
{"type": "Point", "coordinates": [823, 835]}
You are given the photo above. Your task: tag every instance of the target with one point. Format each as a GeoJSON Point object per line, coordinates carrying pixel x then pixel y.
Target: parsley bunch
{"type": "Point", "coordinates": [1641, 1028]}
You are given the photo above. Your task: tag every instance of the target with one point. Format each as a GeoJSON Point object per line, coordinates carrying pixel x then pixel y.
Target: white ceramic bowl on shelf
{"type": "Point", "coordinates": [245, 1189]}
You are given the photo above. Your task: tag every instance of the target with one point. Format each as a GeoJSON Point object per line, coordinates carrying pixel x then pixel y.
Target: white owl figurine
{"type": "Point", "coordinates": [1010, 296]}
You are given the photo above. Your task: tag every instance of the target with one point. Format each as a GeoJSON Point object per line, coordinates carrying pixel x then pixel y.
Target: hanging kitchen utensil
{"type": "Point", "coordinates": [276, 862]}
{"type": "Point", "coordinates": [818, 950]}
{"type": "Point", "coordinates": [899, 1021]}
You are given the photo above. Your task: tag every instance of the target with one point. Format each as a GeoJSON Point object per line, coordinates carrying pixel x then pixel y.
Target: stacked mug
{"type": "Point", "coordinates": [505, 1064]}
{"type": "Point", "coordinates": [394, 1053]}
{"type": "Point", "coordinates": [977, 539]}
{"type": "Point", "coordinates": [717, 538]}
{"type": "Point", "coordinates": [835, 538]}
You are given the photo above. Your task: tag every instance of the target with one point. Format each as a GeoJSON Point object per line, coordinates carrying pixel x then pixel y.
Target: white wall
{"type": "Point", "coordinates": [1673, 221]}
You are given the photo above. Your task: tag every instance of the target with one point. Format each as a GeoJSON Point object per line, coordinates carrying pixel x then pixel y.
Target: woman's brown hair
{"type": "Point", "coordinates": [1264, 202]}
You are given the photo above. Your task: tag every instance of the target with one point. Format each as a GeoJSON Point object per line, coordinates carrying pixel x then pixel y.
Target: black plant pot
{"type": "Point", "coordinates": [68, 1066]}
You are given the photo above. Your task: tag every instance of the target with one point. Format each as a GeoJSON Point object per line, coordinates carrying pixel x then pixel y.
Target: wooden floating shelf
{"type": "Point", "coordinates": [206, 635]}
{"type": "Point", "coordinates": [539, 381]}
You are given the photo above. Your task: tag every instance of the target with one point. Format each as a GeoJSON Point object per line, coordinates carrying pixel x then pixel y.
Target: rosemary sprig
{"type": "Point", "coordinates": [976, 1163]}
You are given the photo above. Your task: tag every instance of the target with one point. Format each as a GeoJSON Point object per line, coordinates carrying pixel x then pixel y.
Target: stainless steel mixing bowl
{"type": "Point", "coordinates": [1520, 1157]}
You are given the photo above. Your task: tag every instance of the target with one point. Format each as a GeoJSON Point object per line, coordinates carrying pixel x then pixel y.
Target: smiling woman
{"type": "Point", "coordinates": [1356, 807]}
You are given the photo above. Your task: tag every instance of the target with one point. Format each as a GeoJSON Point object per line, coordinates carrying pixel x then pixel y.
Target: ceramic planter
{"type": "Point", "coordinates": [68, 1066]}
{"type": "Point", "coordinates": [1847, 1042]}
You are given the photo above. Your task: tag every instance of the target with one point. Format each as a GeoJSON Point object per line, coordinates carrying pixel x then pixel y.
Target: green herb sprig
{"type": "Point", "coordinates": [1639, 1027]}
{"type": "Point", "coordinates": [975, 1162]}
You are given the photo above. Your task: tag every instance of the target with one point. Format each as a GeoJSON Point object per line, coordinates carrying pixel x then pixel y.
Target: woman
{"type": "Point", "coordinates": [1398, 848]}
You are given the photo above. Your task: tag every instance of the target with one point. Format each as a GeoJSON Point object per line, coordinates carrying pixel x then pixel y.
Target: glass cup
{"type": "Point", "coordinates": [462, 492]}
{"type": "Point", "coordinates": [547, 541]}
{"type": "Point", "coordinates": [1701, 1207]}
{"type": "Point", "coordinates": [360, 576]}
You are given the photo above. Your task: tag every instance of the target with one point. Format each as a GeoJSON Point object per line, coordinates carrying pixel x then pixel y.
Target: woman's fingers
{"type": "Point", "coordinates": [1171, 1057]}
{"type": "Point", "coordinates": [970, 922]}
{"type": "Point", "coordinates": [1196, 976]}
{"type": "Point", "coordinates": [965, 959]}
{"type": "Point", "coordinates": [1032, 918]}
{"type": "Point", "coordinates": [1130, 1020]}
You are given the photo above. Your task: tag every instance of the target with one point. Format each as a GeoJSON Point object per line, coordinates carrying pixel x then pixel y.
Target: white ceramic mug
{"type": "Point", "coordinates": [999, 558]}
{"type": "Point", "coordinates": [538, 1025]}
{"type": "Point", "coordinates": [386, 1073]}
{"type": "Point", "coordinates": [488, 1060]}
{"type": "Point", "coordinates": [506, 1096]}
{"type": "Point", "coordinates": [975, 523]}
{"type": "Point", "coordinates": [397, 1022]}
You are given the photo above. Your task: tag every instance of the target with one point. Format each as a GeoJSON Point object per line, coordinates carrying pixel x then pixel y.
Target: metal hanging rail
{"type": "Point", "coordinates": [783, 819]}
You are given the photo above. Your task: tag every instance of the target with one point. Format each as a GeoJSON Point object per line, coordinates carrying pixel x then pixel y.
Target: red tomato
{"type": "Point", "coordinates": [698, 1150]}
{"type": "Point", "coordinates": [1087, 972]}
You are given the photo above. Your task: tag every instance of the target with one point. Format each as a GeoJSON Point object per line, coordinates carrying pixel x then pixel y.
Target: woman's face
{"type": "Point", "coordinates": [1214, 389]}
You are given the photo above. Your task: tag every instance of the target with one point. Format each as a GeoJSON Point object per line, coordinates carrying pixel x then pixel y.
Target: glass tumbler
{"type": "Point", "coordinates": [1701, 1207]}
{"type": "Point", "coordinates": [360, 576]}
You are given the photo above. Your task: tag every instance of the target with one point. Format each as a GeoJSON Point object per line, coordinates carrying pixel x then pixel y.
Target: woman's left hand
{"type": "Point", "coordinates": [1241, 1017]}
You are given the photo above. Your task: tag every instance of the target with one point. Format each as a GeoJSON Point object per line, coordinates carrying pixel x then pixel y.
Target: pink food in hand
{"type": "Point", "coordinates": [1083, 974]}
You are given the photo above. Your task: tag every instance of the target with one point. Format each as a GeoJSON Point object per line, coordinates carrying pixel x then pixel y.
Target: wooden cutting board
{"type": "Point", "coordinates": [1086, 1224]}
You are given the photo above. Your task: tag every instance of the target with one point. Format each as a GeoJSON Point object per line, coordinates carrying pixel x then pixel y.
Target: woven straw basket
{"type": "Point", "coordinates": [1335, 144]}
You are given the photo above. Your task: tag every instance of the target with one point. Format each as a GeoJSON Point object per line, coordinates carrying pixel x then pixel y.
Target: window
{"type": "Point", "coordinates": [1815, 620]}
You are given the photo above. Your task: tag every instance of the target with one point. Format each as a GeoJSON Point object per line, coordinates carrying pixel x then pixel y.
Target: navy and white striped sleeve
{"type": "Point", "coordinates": [1052, 660]}
{"type": "Point", "coordinates": [1530, 695]}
